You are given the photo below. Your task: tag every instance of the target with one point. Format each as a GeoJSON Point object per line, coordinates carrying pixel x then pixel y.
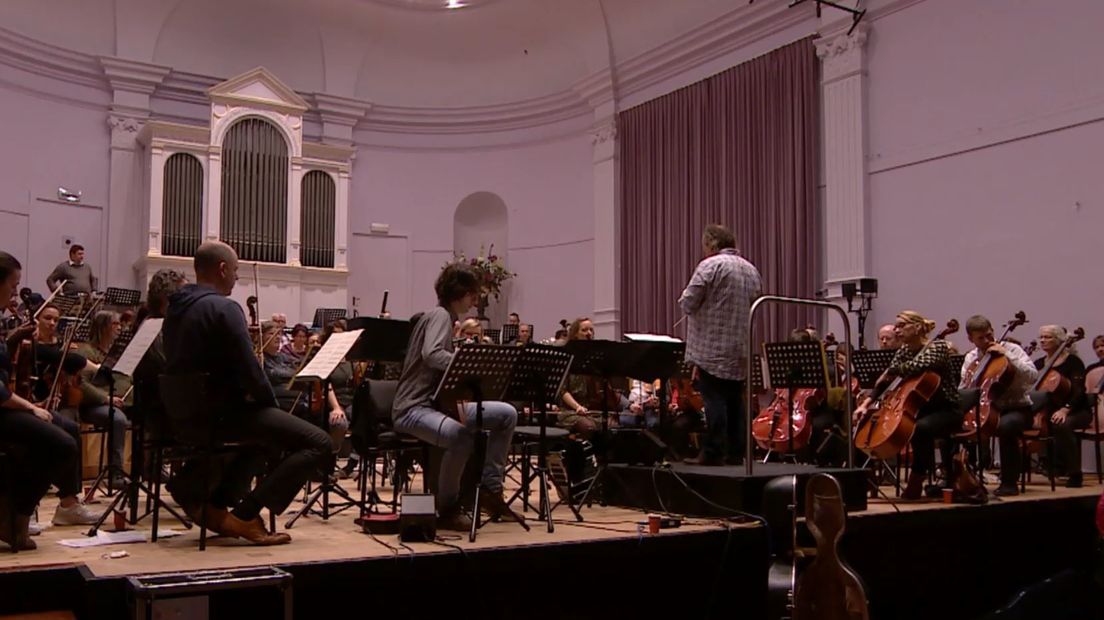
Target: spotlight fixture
{"type": "Point", "coordinates": [68, 195]}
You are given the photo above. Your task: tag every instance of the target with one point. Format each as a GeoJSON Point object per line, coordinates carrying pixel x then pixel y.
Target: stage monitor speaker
{"type": "Point", "coordinates": [417, 518]}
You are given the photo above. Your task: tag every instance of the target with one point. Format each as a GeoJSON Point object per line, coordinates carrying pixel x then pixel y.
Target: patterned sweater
{"type": "Point", "coordinates": [935, 357]}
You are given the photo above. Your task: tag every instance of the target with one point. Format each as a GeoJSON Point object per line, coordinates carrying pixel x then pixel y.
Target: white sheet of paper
{"type": "Point", "coordinates": [138, 346]}
{"type": "Point", "coordinates": [652, 338]}
{"type": "Point", "coordinates": [330, 355]}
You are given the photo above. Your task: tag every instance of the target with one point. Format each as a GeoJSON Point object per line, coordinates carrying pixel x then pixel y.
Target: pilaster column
{"type": "Point", "coordinates": [122, 240]}
{"type": "Point", "coordinates": [846, 208]}
{"type": "Point", "coordinates": [847, 195]}
{"type": "Point", "coordinates": [607, 231]}
{"type": "Point", "coordinates": [295, 211]}
{"type": "Point", "coordinates": [341, 221]}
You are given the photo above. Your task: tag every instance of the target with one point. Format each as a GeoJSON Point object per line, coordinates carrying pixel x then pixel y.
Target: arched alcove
{"type": "Point", "coordinates": [480, 222]}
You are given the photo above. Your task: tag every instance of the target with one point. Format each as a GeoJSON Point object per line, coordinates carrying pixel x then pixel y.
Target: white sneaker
{"type": "Point", "coordinates": [77, 514]}
{"type": "Point", "coordinates": [34, 528]}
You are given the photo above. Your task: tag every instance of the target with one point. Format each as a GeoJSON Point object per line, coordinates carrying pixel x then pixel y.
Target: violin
{"type": "Point", "coordinates": [1052, 381]}
{"type": "Point", "coordinates": [891, 418]}
{"type": "Point", "coordinates": [990, 374]}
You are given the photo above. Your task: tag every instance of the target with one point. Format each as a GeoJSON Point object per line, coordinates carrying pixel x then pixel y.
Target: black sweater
{"type": "Point", "coordinates": [205, 332]}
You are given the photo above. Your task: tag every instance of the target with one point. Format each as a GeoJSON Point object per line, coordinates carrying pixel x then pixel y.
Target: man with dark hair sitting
{"type": "Point", "coordinates": [205, 332]}
{"type": "Point", "coordinates": [428, 355]}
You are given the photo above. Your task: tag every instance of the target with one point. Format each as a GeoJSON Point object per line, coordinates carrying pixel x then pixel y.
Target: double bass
{"type": "Point", "coordinates": [891, 419]}
{"type": "Point", "coordinates": [989, 374]}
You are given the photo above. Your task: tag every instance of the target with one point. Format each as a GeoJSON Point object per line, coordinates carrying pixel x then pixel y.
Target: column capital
{"type": "Point", "coordinates": [603, 137]}
{"type": "Point", "coordinates": [841, 55]}
{"type": "Point", "coordinates": [124, 130]}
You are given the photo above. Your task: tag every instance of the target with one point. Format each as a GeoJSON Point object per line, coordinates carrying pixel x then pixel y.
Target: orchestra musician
{"type": "Point", "coordinates": [206, 332]}
{"type": "Point", "coordinates": [298, 345]}
{"type": "Point", "coordinates": [1098, 349]}
{"type": "Point", "coordinates": [1073, 413]}
{"type": "Point", "coordinates": [717, 301]}
{"type": "Point", "coordinates": [525, 334]}
{"type": "Point", "coordinates": [939, 417]}
{"type": "Point", "coordinates": [281, 368]}
{"type": "Point", "coordinates": [280, 319]}
{"type": "Point", "coordinates": [43, 448]}
{"type": "Point", "coordinates": [1012, 402]}
{"type": "Point", "coordinates": [887, 337]}
{"type": "Point", "coordinates": [147, 388]}
{"type": "Point", "coordinates": [76, 273]}
{"type": "Point", "coordinates": [582, 398]}
{"type": "Point", "coordinates": [95, 405]}
{"type": "Point", "coordinates": [429, 353]}
{"type": "Point", "coordinates": [471, 331]}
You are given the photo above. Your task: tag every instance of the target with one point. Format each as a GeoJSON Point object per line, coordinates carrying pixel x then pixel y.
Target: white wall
{"type": "Point", "coordinates": [547, 191]}
{"type": "Point", "coordinates": [986, 121]}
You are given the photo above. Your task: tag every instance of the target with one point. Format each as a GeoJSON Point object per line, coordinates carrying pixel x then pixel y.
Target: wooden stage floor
{"type": "Point", "coordinates": [315, 540]}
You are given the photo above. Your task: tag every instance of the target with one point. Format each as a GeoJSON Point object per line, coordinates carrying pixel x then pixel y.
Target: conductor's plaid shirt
{"type": "Point", "coordinates": [717, 302]}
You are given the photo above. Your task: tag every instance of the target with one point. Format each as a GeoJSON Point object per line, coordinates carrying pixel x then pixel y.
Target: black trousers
{"type": "Point", "coordinates": [826, 447]}
{"type": "Point", "coordinates": [724, 416]}
{"type": "Point", "coordinates": [42, 454]}
{"type": "Point", "coordinates": [295, 447]}
{"type": "Point", "coordinates": [936, 422]}
{"type": "Point", "coordinates": [1011, 427]}
{"type": "Point", "coordinates": [1067, 446]}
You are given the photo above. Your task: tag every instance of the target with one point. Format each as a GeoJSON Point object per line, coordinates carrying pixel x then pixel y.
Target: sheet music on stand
{"type": "Point", "coordinates": [139, 344]}
{"type": "Point", "coordinates": [328, 357]}
{"type": "Point", "coordinates": [476, 372]}
{"type": "Point", "coordinates": [869, 364]}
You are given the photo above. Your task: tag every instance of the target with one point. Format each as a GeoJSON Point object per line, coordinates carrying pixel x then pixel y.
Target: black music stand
{"type": "Point", "coordinates": [791, 366]}
{"type": "Point", "coordinates": [324, 317]}
{"type": "Point", "coordinates": [659, 358]}
{"type": "Point", "coordinates": [122, 297]}
{"type": "Point", "coordinates": [383, 340]}
{"type": "Point", "coordinates": [510, 333]}
{"type": "Point", "coordinates": [107, 374]}
{"type": "Point", "coordinates": [478, 373]}
{"type": "Point", "coordinates": [66, 303]}
{"type": "Point", "coordinates": [539, 375]}
{"type": "Point", "coordinates": [134, 482]}
{"type": "Point", "coordinates": [869, 365]}
{"type": "Point", "coordinates": [305, 383]}
{"type": "Point", "coordinates": [495, 335]}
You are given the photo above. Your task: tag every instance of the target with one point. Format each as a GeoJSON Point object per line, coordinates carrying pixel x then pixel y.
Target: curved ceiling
{"type": "Point", "coordinates": [410, 53]}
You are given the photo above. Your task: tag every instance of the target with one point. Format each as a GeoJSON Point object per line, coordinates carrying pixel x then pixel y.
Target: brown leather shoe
{"type": "Point", "coordinates": [453, 520]}
{"type": "Point", "coordinates": [254, 531]}
{"type": "Point", "coordinates": [494, 506]}
{"type": "Point", "coordinates": [215, 516]}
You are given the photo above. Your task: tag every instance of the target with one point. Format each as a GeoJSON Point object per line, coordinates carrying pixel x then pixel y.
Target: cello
{"type": "Point", "coordinates": [1050, 380]}
{"type": "Point", "coordinates": [989, 374]}
{"type": "Point", "coordinates": [891, 418]}
{"type": "Point", "coordinates": [771, 428]}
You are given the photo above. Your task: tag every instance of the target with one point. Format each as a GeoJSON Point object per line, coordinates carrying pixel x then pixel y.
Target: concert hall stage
{"type": "Point", "coordinates": [714, 491]}
{"type": "Point", "coordinates": [950, 561]}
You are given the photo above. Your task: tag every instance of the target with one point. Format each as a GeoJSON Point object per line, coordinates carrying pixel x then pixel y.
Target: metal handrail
{"type": "Point", "coordinates": [748, 461]}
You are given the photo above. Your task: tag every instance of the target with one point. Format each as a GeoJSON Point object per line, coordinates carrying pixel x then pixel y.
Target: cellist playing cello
{"type": "Point", "coordinates": [1012, 402]}
{"type": "Point", "coordinates": [939, 416]}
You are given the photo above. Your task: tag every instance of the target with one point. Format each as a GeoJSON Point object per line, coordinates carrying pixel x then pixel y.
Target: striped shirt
{"type": "Point", "coordinates": [717, 302]}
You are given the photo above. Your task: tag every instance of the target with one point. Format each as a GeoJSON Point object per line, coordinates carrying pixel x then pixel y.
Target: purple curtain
{"type": "Point", "coordinates": [739, 149]}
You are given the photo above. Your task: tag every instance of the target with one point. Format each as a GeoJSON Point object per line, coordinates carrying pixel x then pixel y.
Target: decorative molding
{"type": "Point", "coordinates": [279, 96]}
{"type": "Point", "coordinates": [124, 124]}
{"type": "Point", "coordinates": [604, 132]}
{"type": "Point", "coordinates": [133, 76]}
{"type": "Point", "coordinates": [739, 27]}
{"type": "Point", "coordinates": [841, 55]}
{"type": "Point", "coordinates": [162, 132]}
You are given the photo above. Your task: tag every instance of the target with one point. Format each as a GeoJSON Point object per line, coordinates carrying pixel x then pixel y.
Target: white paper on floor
{"type": "Point", "coordinates": [114, 538]}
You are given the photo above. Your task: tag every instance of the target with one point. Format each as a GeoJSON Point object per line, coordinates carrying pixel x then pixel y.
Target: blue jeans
{"type": "Point", "coordinates": [458, 440]}
{"type": "Point", "coordinates": [649, 419]}
{"type": "Point", "coordinates": [724, 417]}
{"type": "Point", "coordinates": [99, 417]}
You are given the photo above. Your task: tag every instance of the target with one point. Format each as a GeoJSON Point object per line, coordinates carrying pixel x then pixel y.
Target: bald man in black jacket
{"type": "Point", "coordinates": [206, 332]}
